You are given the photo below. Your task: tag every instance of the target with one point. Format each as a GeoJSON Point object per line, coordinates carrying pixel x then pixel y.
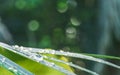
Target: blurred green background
{"type": "Point", "coordinates": [47, 23]}
{"type": "Point", "coordinates": [44, 24]}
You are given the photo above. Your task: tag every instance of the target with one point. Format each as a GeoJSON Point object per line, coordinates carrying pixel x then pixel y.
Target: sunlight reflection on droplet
{"type": "Point", "coordinates": [71, 32]}
{"type": "Point", "coordinates": [62, 7]}
{"type": "Point", "coordinates": [13, 70]}
{"type": "Point", "coordinates": [3, 60]}
{"type": "Point", "coordinates": [75, 21]}
{"type": "Point", "coordinates": [33, 25]}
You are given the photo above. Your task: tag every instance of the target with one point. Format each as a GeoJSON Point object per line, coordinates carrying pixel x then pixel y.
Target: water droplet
{"type": "Point", "coordinates": [21, 48]}
{"type": "Point", "coordinates": [30, 49]}
{"type": "Point", "coordinates": [16, 46]}
{"type": "Point", "coordinates": [53, 51]}
{"type": "Point", "coordinates": [3, 60]}
{"type": "Point", "coordinates": [41, 51]}
{"type": "Point", "coordinates": [61, 51]}
{"type": "Point", "coordinates": [13, 69]}
{"type": "Point", "coordinates": [39, 59]}
{"type": "Point", "coordinates": [52, 64]}
{"type": "Point", "coordinates": [36, 57]}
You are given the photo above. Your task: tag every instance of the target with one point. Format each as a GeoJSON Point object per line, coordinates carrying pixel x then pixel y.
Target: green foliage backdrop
{"type": "Point", "coordinates": [46, 23]}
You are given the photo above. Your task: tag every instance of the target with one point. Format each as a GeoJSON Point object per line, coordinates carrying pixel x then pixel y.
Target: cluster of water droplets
{"type": "Point", "coordinates": [27, 52]}
{"type": "Point", "coordinates": [36, 54]}
{"type": "Point", "coordinates": [13, 67]}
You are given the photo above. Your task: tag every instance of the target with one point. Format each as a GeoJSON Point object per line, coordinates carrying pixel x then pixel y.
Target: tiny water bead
{"type": "Point", "coordinates": [3, 60]}
{"type": "Point", "coordinates": [13, 69]}
{"type": "Point", "coordinates": [38, 58]}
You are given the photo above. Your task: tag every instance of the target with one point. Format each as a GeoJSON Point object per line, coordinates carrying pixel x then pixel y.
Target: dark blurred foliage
{"type": "Point", "coordinates": [57, 24]}
{"type": "Point", "coordinates": [47, 23]}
